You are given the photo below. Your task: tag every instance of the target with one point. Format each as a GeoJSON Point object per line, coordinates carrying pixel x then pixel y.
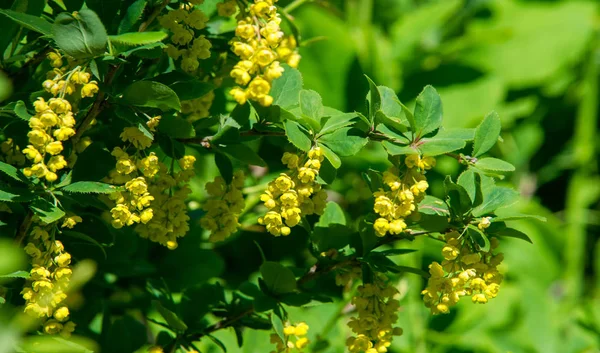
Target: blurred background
{"type": "Point", "coordinates": [537, 64]}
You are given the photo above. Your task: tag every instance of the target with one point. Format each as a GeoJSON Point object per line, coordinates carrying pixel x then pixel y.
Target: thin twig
{"type": "Point", "coordinates": [153, 16]}
{"type": "Point", "coordinates": [23, 229]}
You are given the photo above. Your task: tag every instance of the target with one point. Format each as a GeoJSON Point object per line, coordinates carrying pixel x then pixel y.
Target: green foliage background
{"type": "Point", "coordinates": [536, 63]}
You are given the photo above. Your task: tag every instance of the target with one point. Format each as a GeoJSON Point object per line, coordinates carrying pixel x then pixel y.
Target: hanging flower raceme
{"type": "Point", "coordinates": [54, 121]}
{"type": "Point", "coordinates": [294, 194]}
{"type": "Point", "coordinates": [261, 47]}
{"type": "Point", "coordinates": [295, 338]}
{"type": "Point", "coordinates": [185, 44]}
{"type": "Point", "coordinates": [152, 197]}
{"type": "Point", "coordinates": [377, 313]}
{"type": "Point", "coordinates": [465, 271]}
{"type": "Point", "coordinates": [45, 290]}
{"type": "Point", "coordinates": [224, 207]}
{"type": "Point", "coordinates": [404, 190]}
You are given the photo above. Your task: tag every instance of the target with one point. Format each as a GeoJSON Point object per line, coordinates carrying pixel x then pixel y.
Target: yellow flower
{"type": "Point", "coordinates": [70, 222]}
{"type": "Point", "coordinates": [136, 137]}
{"type": "Point", "coordinates": [89, 89]}
{"type": "Point", "coordinates": [484, 223]}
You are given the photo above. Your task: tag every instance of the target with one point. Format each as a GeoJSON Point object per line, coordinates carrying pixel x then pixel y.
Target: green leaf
{"type": "Point", "coordinates": [186, 86]}
{"type": "Point", "coordinates": [478, 238]}
{"type": "Point", "coordinates": [198, 301]}
{"type": "Point", "coordinates": [513, 233]}
{"type": "Point", "coordinates": [20, 110]}
{"type": "Point", "coordinates": [218, 342]}
{"type": "Point", "coordinates": [285, 90]}
{"type": "Point", "coordinates": [436, 147]}
{"type": "Point", "coordinates": [138, 38]}
{"type": "Point", "coordinates": [496, 198]}
{"type": "Point", "coordinates": [203, 263]}
{"type": "Point", "coordinates": [46, 211]}
{"type": "Point", "coordinates": [93, 164]}
{"type": "Point", "coordinates": [390, 105]}
{"type": "Point", "coordinates": [333, 158]}
{"type": "Point", "coordinates": [333, 214]}
{"type": "Point", "coordinates": [89, 187]}
{"type": "Point", "coordinates": [374, 100]}
{"type": "Point", "coordinates": [394, 252]}
{"type": "Point", "coordinates": [338, 121]}
{"type": "Point", "coordinates": [327, 173]}
{"type": "Point", "coordinates": [80, 35]}
{"type": "Point", "coordinates": [396, 136]}
{"type": "Point", "coordinates": [172, 319]}
{"type": "Point", "coordinates": [12, 194]}
{"type": "Point", "coordinates": [394, 149]}
{"type": "Point", "coordinates": [392, 111]}
{"type": "Point", "coordinates": [277, 326]}
{"type": "Point", "coordinates": [17, 274]}
{"type": "Point", "coordinates": [225, 167]}
{"type": "Point", "coordinates": [471, 181]}
{"type": "Point", "coordinates": [428, 111]}
{"type": "Point", "coordinates": [53, 344]}
{"type": "Point", "coordinates": [518, 216]}
{"type": "Point", "coordinates": [459, 199]}
{"type": "Point", "coordinates": [279, 279]}
{"type": "Point", "coordinates": [31, 22]}
{"type": "Point", "coordinates": [460, 134]}
{"type": "Point", "coordinates": [346, 141]}
{"type": "Point", "coordinates": [311, 108]}
{"type": "Point", "coordinates": [297, 136]}
{"type": "Point", "coordinates": [486, 134]}
{"type": "Point", "coordinates": [12, 172]}
{"type": "Point", "coordinates": [132, 16]}
{"type": "Point", "coordinates": [413, 270]}
{"type": "Point", "coordinates": [433, 206]}
{"type": "Point", "coordinates": [86, 238]}
{"type": "Point", "coordinates": [243, 153]}
{"type": "Point", "coordinates": [176, 127]}
{"type": "Point", "coordinates": [151, 94]}
{"type": "Point", "coordinates": [494, 164]}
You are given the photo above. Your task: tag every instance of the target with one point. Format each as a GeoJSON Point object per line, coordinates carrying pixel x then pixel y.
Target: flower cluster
{"type": "Point", "coordinates": [185, 44]}
{"type": "Point", "coordinates": [288, 197]}
{"type": "Point", "coordinates": [54, 121]}
{"type": "Point", "coordinates": [45, 292]}
{"type": "Point", "coordinates": [402, 195]}
{"type": "Point", "coordinates": [151, 198]}
{"type": "Point", "coordinates": [261, 47]}
{"type": "Point", "coordinates": [346, 275]}
{"type": "Point", "coordinates": [224, 207]}
{"type": "Point", "coordinates": [377, 313]}
{"type": "Point", "coordinates": [463, 272]}
{"type": "Point", "coordinates": [132, 205]}
{"type": "Point", "coordinates": [62, 80]}
{"type": "Point", "coordinates": [196, 109]}
{"type": "Point", "coordinates": [170, 191]}
{"type": "Point", "coordinates": [298, 332]}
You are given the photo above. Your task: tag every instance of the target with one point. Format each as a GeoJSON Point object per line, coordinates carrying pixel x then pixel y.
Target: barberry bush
{"type": "Point", "coordinates": [169, 184]}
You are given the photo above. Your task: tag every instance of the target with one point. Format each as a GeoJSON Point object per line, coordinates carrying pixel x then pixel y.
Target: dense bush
{"type": "Point", "coordinates": [186, 176]}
